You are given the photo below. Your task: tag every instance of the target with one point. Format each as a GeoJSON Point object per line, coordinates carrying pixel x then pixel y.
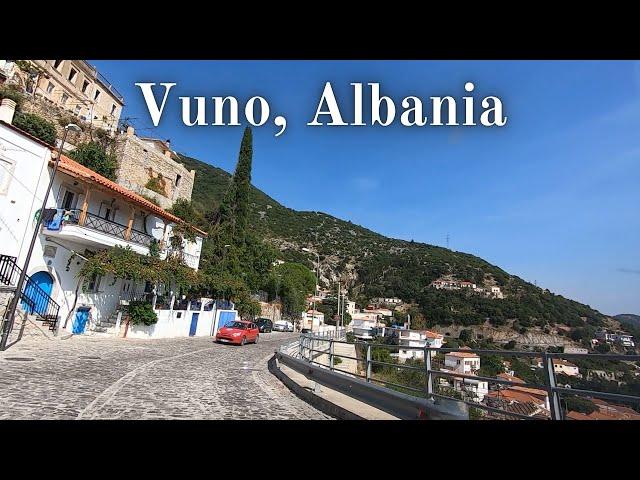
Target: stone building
{"type": "Point", "coordinates": [150, 168]}
{"type": "Point", "coordinates": [73, 85]}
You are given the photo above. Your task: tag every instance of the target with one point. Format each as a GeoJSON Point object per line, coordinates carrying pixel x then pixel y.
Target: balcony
{"type": "Point", "coordinates": [94, 230]}
{"type": "Point", "coordinates": [192, 261]}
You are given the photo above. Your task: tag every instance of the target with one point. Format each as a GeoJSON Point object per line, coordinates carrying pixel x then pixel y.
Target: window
{"type": "Point", "coordinates": [50, 88]}
{"type": "Point", "coordinates": [94, 283]}
{"type": "Point", "coordinates": [85, 86]}
{"type": "Point", "coordinates": [57, 64]}
{"type": "Point", "coordinates": [96, 95]}
{"type": "Point", "coordinates": [113, 109]}
{"type": "Point", "coordinates": [73, 74]}
{"type": "Point", "coordinates": [178, 178]}
{"type": "Point", "coordinates": [78, 109]}
{"type": "Point", "coordinates": [68, 200]}
{"type": "Point", "coordinates": [64, 98]}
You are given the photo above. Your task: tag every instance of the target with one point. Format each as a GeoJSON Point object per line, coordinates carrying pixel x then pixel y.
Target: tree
{"type": "Point", "coordinates": [93, 156]}
{"type": "Point", "coordinates": [466, 335]}
{"type": "Point", "coordinates": [234, 208]}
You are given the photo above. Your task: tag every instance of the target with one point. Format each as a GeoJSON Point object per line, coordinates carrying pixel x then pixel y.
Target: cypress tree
{"type": "Point", "coordinates": [234, 208]}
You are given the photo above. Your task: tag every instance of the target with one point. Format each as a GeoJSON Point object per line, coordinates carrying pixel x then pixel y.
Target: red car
{"type": "Point", "coordinates": [238, 333]}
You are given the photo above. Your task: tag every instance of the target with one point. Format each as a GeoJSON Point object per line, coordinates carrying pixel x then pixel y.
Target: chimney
{"type": "Point", "coordinates": [167, 152]}
{"type": "Point", "coordinates": [130, 131]}
{"type": "Point", "coordinates": [7, 109]}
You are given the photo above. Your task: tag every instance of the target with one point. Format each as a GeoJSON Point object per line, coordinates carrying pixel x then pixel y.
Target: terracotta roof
{"type": "Point", "coordinates": [510, 378]}
{"type": "Point", "coordinates": [462, 354]}
{"type": "Point", "coordinates": [514, 396]}
{"type": "Point", "coordinates": [73, 168]}
{"type": "Point", "coordinates": [431, 334]}
{"type": "Point", "coordinates": [531, 391]}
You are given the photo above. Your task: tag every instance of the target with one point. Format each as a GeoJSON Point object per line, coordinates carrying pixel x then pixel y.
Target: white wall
{"type": "Point", "coordinates": [174, 323]}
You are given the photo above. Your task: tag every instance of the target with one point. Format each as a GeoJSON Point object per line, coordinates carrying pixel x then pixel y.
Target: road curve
{"type": "Point", "coordinates": [108, 378]}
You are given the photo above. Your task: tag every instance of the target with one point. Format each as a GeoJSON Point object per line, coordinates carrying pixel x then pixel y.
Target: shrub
{"type": "Point", "coordinates": [582, 405]}
{"type": "Point", "coordinates": [141, 313]}
{"type": "Point", "coordinates": [36, 126]}
{"type": "Point", "coordinates": [154, 184]}
{"type": "Point", "coordinates": [13, 94]}
{"type": "Point", "coordinates": [92, 155]}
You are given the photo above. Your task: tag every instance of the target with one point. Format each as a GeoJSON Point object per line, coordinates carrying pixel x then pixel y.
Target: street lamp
{"type": "Point", "coordinates": [11, 311]}
{"type": "Point", "coordinates": [315, 293]}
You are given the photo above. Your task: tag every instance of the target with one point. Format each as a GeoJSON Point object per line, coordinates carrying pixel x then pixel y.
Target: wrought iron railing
{"type": "Point", "coordinates": [34, 299]}
{"type": "Point", "coordinates": [431, 377]}
{"type": "Point", "coordinates": [103, 225]}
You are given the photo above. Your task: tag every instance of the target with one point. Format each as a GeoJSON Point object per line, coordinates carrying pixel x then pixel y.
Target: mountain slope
{"type": "Point", "coordinates": [373, 265]}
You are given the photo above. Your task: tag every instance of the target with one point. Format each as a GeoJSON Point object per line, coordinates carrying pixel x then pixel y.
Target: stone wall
{"type": "Point", "coordinates": [60, 118]}
{"type": "Point", "coordinates": [139, 162]}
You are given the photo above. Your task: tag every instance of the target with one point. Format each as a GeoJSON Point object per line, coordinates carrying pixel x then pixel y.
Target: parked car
{"type": "Point", "coordinates": [238, 332]}
{"type": "Point", "coordinates": [283, 326]}
{"type": "Point", "coordinates": [264, 325]}
{"type": "Point", "coordinates": [306, 330]}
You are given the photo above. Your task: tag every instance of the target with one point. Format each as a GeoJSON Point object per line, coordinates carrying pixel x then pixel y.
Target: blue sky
{"type": "Point", "coordinates": [553, 197]}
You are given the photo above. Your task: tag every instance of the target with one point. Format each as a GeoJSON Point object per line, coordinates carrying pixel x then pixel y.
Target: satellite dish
{"type": "Point", "coordinates": [155, 227]}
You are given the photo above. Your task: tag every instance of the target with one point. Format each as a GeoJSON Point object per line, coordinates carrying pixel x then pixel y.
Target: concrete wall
{"type": "Point", "coordinates": [175, 323]}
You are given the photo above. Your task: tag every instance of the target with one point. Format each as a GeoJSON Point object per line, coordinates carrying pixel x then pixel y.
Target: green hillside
{"type": "Point", "coordinates": [373, 265]}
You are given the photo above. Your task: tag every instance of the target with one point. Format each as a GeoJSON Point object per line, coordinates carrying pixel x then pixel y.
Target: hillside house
{"type": "Point", "coordinates": [85, 213]}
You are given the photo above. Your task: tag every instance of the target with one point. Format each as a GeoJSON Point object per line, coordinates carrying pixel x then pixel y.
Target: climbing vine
{"type": "Point", "coordinates": [126, 264]}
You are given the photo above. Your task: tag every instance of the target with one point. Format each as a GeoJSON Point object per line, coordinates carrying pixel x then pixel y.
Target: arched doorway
{"type": "Point", "coordinates": [41, 283]}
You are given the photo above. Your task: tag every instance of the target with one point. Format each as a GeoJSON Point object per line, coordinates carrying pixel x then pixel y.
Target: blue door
{"type": "Point", "coordinates": [38, 291]}
{"type": "Point", "coordinates": [224, 318]}
{"type": "Point", "coordinates": [80, 322]}
{"type": "Point", "coordinates": [194, 324]}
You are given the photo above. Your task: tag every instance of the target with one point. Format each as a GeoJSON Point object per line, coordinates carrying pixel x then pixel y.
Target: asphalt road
{"type": "Point", "coordinates": [109, 378]}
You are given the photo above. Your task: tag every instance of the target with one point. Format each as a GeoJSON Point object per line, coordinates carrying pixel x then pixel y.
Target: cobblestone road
{"type": "Point", "coordinates": [184, 378]}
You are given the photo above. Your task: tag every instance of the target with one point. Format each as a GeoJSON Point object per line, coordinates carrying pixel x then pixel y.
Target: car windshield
{"type": "Point", "coordinates": [240, 325]}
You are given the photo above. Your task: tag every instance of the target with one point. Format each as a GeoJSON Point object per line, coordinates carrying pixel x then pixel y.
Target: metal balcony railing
{"type": "Point", "coordinates": [433, 379]}
{"type": "Point", "coordinates": [94, 222]}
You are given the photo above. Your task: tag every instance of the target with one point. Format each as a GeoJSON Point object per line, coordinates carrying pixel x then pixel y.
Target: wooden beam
{"type": "Point", "coordinates": [85, 206]}
{"type": "Point", "coordinates": [127, 233]}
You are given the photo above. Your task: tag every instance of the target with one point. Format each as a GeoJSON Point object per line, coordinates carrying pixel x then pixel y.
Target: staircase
{"type": "Point", "coordinates": [35, 301]}
{"type": "Point", "coordinates": [104, 327]}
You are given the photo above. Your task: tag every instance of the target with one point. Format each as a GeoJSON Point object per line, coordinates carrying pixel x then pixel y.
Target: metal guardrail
{"type": "Point", "coordinates": [400, 405]}
{"type": "Point", "coordinates": [313, 346]}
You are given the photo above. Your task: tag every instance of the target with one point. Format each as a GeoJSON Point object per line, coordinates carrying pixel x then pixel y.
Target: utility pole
{"type": "Point", "coordinates": [447, 241]}
{"type": "Point", "coordinates": [338, 319]}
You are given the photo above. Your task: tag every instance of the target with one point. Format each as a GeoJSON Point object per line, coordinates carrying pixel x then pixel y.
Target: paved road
{"type": "Point", "coordinates": [185, 378]}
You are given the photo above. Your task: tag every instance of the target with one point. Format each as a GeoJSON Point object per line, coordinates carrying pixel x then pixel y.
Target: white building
{"type": "Point", "coordinates": [560, 365]}
{"type": "Point", "coordinates": [466, 363]}
{"type": "Point", "coordinates": [312, 319]}
{"type": "Point", "coordinates": [416, 338]}
{"type": "Point", "coordinates": [387, 300]}
{"type": "Point", "coordinates": [472, 388]}
{"type": "Point", "coordinates": [364, 325]}
{"type": "Point", "coordinates": [85, 213]}
{"type": "Point", "coordinates": [351, 308]}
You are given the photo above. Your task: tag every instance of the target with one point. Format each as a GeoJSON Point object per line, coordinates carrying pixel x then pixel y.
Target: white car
{"type": "Point", "coordinates": [283, 326]}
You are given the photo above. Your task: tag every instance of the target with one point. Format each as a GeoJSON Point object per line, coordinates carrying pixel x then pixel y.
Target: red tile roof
{"type": "Point", "coordinates": [510, 378]}
{"type": "Point", "coordinates": [462, 354]}
{"type": "Point", "coordinates": [75, 169]}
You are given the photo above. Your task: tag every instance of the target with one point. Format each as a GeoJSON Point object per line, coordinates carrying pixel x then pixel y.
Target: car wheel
{"type": "Point", "coordinates": [244, 341]}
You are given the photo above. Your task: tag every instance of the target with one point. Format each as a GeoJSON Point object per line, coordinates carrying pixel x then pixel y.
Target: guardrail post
{"type": "Point", "coordinates": [368, 362]}
{"type": "Point", "coordinates": [554, 398]}
{"type": "Point", "coordinates": [331, 350]}
{"type": "Point", "coordinates": [427, 364]}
